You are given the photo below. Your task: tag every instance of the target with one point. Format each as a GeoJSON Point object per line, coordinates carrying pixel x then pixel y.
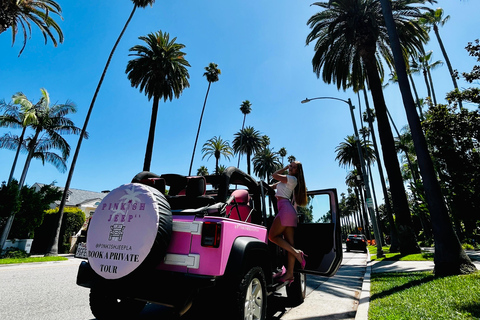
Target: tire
{"type": "Point", "coordinates": [105, 306]}
{"type": "Point", "coordinates": [297, 290]}
{"type": "Point", "coordinates": [251, 296]}
{"type": "Point", "coordinates": [130, 231]}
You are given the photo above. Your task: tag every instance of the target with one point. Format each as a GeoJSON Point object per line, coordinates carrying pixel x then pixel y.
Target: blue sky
{"type": "Point", "coordinates": [259, 47]}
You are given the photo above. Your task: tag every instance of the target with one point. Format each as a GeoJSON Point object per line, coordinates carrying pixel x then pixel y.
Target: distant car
{"type": "Point", "coordinates": [356, 242]}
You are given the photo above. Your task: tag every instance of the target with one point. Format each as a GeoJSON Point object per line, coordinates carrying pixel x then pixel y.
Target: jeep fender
{"type": "Point", "coordinates": [246, 253]}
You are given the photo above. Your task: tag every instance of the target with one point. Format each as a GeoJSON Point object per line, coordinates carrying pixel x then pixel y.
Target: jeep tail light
{"type": "Point", "coordinates": [211, 234]}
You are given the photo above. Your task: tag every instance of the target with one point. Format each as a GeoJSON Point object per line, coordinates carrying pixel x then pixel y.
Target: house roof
{"type": "Point", "coordinates": [77, 196]}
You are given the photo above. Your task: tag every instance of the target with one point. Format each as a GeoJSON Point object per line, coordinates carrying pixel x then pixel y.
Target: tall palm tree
{"type": "Point", "coordinates": [349, 36]}
{"type": "Point", "coordinates": [247, 141]}
{"type": "Point", "coordinates": [17, 14]}
{"type": "Point", "coordinates": [265, 163]}
{"type": "Point", "coordinates": [282, 153]}
{"type": "Point", "coordinates": [212, 73]}
{"type": "Point", "coordinates": [450, 258]}
{"type": "Point", "coordinates": [436, 18]}
{"type": "Point", "coordinates": [51, 123]}
{"type": "Point", "coordinates": [159, 70]}
{"type": "Point", "coordinates": [202, 171]}
{"type": "Point", "coordinates": [53, 247]}
{"type": "Point", "coordinates": [423, 63]}
{"type": "Point", "coordinates": [217, 147]}
{"type": "Point", "coordinates": [246, 108]}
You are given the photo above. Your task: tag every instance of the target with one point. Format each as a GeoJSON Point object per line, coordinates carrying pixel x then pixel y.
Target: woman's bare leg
{"type": "Point", "coordinates": [283, 237]}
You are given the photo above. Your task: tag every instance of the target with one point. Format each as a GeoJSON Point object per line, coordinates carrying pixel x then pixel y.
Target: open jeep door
{"type": "Point", "coordinates": [318, 233]}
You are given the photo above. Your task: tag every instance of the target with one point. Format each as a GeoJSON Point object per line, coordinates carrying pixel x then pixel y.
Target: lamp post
{"type": "Point", "coordinates": [364, 173]}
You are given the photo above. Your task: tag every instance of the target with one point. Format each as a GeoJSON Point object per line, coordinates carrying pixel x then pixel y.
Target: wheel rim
{"type": "Point", "coordinates": [303, 283]}
{"type": "Point", "coordinates": [254, 300]}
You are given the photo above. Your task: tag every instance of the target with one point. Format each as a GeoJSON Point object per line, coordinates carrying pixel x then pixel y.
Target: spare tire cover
{"type": "Point", "coordinates": [132, 225]}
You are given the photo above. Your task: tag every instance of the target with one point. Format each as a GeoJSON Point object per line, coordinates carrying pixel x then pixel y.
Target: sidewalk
{"type": "Point", "coordinates": [396, 266]}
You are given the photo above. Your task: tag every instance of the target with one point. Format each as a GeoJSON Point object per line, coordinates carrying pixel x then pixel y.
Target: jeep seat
{"type": "Point", "coordinates": [239, 207]}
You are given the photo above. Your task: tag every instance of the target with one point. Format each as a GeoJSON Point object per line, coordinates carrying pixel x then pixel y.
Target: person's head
{"type": "Point", "coordinates": [295, 168]}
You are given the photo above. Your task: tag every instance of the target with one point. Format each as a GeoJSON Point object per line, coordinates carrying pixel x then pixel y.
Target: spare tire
{"type": "Point", "coordinates": [131, 228]}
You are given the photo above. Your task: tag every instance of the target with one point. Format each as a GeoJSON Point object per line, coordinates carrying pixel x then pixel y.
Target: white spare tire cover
{"type": "Point", "coordinates": [132, 225]}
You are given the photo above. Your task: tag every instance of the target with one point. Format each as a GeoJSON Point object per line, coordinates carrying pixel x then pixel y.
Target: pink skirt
{"type": "Point", "coordinates": [286, 213]}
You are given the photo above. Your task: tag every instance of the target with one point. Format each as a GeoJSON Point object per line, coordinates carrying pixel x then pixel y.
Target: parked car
{"type": "Point", "coordinates": [176, 240]}
{"type": "Point", "coordinates": [356, 242]}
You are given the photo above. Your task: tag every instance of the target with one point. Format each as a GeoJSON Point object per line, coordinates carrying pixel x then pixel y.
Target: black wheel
{"type": "Point", "coordinates": [105, 306]}
{"type": "Point", "coordinates": [251, 296]}
{"type": "Point", "coordinates": [297, 290]}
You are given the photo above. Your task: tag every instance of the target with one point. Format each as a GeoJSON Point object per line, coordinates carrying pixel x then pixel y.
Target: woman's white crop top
{"type": "Point", "coordinates": [285, 190]}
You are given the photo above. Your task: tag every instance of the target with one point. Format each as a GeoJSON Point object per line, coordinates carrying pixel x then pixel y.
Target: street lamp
{"type": "Point", "coordinates": [364, 174]}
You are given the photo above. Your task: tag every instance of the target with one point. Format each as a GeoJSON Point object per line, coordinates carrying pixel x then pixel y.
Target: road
{"type": "Point", "coordinates": [47, 291]}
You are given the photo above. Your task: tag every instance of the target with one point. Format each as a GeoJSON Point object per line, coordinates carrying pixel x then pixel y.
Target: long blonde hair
{"type": "Point", "coordinates": [301, 189]}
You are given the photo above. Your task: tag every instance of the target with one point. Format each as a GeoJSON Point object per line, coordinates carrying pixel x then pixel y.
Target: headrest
{"type": "Point", "coordinates": [241, 196]}
{"type": "Point", "coordinates": [157, 183]}
{"type": "Point", "coordinates": [196, 186]}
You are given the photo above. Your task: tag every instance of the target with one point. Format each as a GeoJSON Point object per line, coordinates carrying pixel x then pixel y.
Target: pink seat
{"type": "Point", "coordinates": [239, 208]}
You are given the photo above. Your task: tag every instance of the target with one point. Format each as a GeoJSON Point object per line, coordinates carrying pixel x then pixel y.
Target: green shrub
{"type": "Point", "coordinates": [13, 253]}
{"type": "Point", "coordinates": [73, 219]}
{"type": "Point", "coordinates": [467, 246]}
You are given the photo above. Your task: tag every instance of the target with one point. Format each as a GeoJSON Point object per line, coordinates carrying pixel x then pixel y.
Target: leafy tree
{"type": "Point", "coordinates": [454, 140]}
{"type": "Point", "coordinates": [247, 141]}
{"type": "Point", "coordinates": [469, 94]}
{"type": "Point", "coordinates": [53, 249]}
{"type": "Point", "coordinates": [212, 73]}
{"type": "Point", "coordinates": [32, 210]}
{"type": "Point", "coordinates": [349, 36]}
{"type": "Point", "coordinates": [17, 14]}
{"type": "Point", "coordinates": [159, 70]}
{"type": "Point", "coordinates": [217, 147]}
{"type": "Point", "coordinates": [9, 201]}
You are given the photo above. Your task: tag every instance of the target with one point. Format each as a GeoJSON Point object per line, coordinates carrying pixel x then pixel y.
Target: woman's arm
{"type": "Point", "coordinates": [280, 176]}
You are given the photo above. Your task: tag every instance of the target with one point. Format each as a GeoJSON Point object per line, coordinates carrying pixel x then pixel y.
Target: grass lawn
{"type": "Point", "coordinates": [397, 256]}
{"type": "Point", "coordinates": [421, 295]}
{"type": "Point", "coordinates": [29, 259]}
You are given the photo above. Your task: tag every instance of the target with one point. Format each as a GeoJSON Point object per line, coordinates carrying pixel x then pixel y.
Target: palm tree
{"type": "Point", "coordinates": [202, 171]}
{"type": "Point", "coordinates": [53, 247]}
{"type": "Point", "coordinates": [246, 108]}
{"type": "Point", "coordinates": [265, 163]}
{"type": "Point", "coordinates": [349, 36]}
{"type": "Point", "coordinates": [435, 18]}
{"type": "Point", "coordinates": [16, 115]}
{"type": "Point", "coordinates": [425, 64]}
{"type": "Point", "coordinates": [19, 13]}
{"type": "Point", "coordinates": [160, 70]}
{"type": "Point", "coordinates": [212, 73]}
{"type": "Point", "coordinates": [247, 141]}
{"type": "Point", "coordinates": [50, 123]}
{"type": "Point", "coordinates": [217, 147]}
{"type": "Point", "coordinates": [450, 258]}
{"type": "Point", "coordinates": [282, 153]}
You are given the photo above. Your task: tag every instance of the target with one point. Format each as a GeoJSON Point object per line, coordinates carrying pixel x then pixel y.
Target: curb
{"type": "Point", "coordinates": [364, 301]}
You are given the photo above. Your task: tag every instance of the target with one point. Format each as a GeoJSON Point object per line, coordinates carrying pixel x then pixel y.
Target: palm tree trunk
{"type": "Point", "coordinates": [407, 238]}
{"type": "Point", "coordinates": [151, 135]}
{"type": "Point", "coordinates": [394, 242]}
{"type": "Point", "coordinates": [420, 111]}
{"type": "Point", "coordinates": [450, 258]}
{"type": "Point", "coordinates": [198, 131]}
{"type": "Point", "coordinates": [52, 250]}
{"type": "Point", "coordinates": [431, 85]}
{"type": "Point", "coordinates": [20, 141]}
{"type": "Point", "coordinates": [447, 61]}
{"type": "Point", "coordinates": [241, 138]}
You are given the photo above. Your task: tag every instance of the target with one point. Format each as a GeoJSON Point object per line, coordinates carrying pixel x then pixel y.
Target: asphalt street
{"type": "Point", "coordinates": [47, 291]}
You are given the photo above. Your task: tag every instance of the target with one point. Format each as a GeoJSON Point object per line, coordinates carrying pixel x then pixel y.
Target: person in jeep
{"type": "Point", "coordinates": [283, 227]}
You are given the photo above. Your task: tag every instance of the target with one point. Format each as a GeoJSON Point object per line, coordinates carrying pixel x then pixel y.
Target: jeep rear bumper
{"type": "Point", "coordinates": [162, 287]}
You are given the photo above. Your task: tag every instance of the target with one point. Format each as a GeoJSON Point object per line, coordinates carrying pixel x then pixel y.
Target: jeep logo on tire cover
{"type": "Point", "coordinates": [122, 231]}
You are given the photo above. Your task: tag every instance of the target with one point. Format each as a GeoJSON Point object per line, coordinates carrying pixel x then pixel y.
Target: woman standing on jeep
{"type": "Point", "coordinates": [283, 227]}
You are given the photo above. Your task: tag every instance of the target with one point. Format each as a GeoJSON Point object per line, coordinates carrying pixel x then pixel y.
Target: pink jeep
{"type": "Point", "coordinates": [174, 240]}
